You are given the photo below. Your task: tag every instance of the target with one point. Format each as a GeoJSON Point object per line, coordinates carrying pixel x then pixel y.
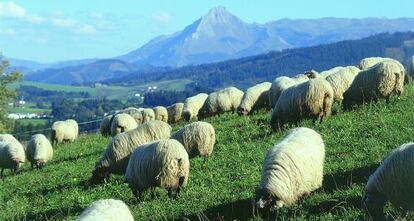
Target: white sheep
{"type": "Point", "coordinates": [12, 156]}
{"type": "Point", "coordinates": [175, 112]}
{"type": "Point", "coordinates": [162, 163]}
{"type": "Point", "coordinates": [122, 122]}
{"type": "Point", "coordinates": [221, 101]}
{"type": "Point", "coordinates": [161, 113]}
{"type": "Point", "coordinates": [115, 158]}
{"type": "Point", "coordinates": [380, 81]}
{"type": "Point", "coordinates": [198, 139]}
{"type": "Point", "coordinates": [312, 98]}
{"type": "Point", "coordinates": [341, 81]}
{"type": "Point", "coordinates": [371, 61]}
{"type": "Point", "coordinates": [64, 131]}
{"type": "Point", "coordinates": [135, 113]}
{"type": "Point", "coordinates": [106, 210]}
{"type": "Point", "coordinates": [410, 73]}
{"type": "Point", "coordinates": [105, 126]}
{"type": "Point", "coordinates": [147, 115]}
{"type": "Point", "coordinates": [8, 138]}
{"type": "Point", "coordinates": [39, 150]}
{"type": "Point", "coordinates": [192, 106]}
{"type": "Point", "coordinates": [393, 180]}
{"type": "Point", "coordinates": [326, 73]}
{"type": "Point", "coordinates": [255, 98]}
{"type": "Point", "coordinates": [292, 168]}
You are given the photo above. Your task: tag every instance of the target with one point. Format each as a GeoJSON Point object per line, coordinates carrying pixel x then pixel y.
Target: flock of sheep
{"type": "Point", "coordinates": [144, 149]}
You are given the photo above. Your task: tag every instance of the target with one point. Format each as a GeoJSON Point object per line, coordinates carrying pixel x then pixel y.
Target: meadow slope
{"type": "Point", "coordinates": [356, 142]}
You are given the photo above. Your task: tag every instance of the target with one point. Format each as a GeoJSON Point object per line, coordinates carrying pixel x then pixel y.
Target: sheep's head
{"type": "Point", "coordinates": [264, 198]}
{"type": "Point", "coordinates": [373, 203]}
{"type": "Point", "coordinates": [311, 74]}
{"type": "Point", "coordinates": [40, 164]}
{"type": "Point", "coordinates": [99, 175]}
{"type": "Point", "coordinates": [242, 111]}
{"type": "Point", "coordinates": [187, 115]}
{"type": "Point", "coordinates": [16, 165]}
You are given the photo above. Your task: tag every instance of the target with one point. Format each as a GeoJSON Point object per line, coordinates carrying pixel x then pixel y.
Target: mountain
{"type": "Point", "coordinates": [247, 71]}
{"type": "Point", "coordinates": [219, 36]}
{"type": "Point", "coordinates": [95, 71]}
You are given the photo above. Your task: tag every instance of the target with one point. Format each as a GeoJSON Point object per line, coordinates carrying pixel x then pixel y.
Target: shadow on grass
{"type": "Point", "coordinates": [75, 158]}
{"type": "Point", "coordinates": [84, 185]}
{"type": "Point", "coordinates": [51, 214]}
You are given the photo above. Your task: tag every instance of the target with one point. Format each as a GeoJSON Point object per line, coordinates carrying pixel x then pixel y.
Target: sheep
{"type": "Point", "coordinates": [221, 101]}
{"type": "Point", "coordinates": [8, 138]}
{"type": "Point", "coordinates": [162, 163]}
{"type": "Point", "coordinates": [161, 113]}
{"type": "Point", "coordinates": [105, 127]}
{"type": "Point", "coordinates": [312, 98]}
{"type": "Point", "coordinates": [255, 98]}
{"type": "Point", "coordinates": [410, 73]}
{"type": "Point", "coordinates": [198, 139]}
{"type": "Point", "coordinates": [325, 74]}
{"type": "Point", "coordinates": [393, 181]}
{"type": "Point", "coordinates": [12, 156]}
{"type": "Point", "coordinates": [115, 158]}
{"type": "Point", "coordinates": [135, 113]}
{"type": "Point", "coordinates": [175, 112]}
{"type": "Point", "coordinates": [64, 131]}
{"type": "Point", "coordinates": [106, 210]}
{"type": "Point", "coordinates": [147, 115]}
{"type": "Point", "coordinates": [122, 122]}
{"type": "Point", "coordinates": [380, 81]}
{"type": "Point", "coordinates": [292, 168]}
{"type": "Point", "coordinates": [192, 106]}
{"type": "Point", "coordinates": [39, 150]}
{"type": "Point", "coordinates": [341, 81]}
{"type": "Point", "coordinates": [278, 86]}
{"type": "Point", "coordinates": [371, 61]}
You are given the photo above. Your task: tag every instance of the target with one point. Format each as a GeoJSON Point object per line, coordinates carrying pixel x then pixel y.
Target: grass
{"type": "Point", "coordinates": [33, 121]}
{"type": "Point", "coordinates": [356, 142]}
{"type": "Point", "coordinates": [27, 110]}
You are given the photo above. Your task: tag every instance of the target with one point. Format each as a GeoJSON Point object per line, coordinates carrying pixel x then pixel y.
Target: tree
{"type": "Point", "coordinates": [7, 93]}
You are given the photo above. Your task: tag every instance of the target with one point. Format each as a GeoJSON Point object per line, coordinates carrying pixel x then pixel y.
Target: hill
{"type": "Point", "coordinates": [356, 142]}
{"type": "Point", "coordinates": [245, 72]}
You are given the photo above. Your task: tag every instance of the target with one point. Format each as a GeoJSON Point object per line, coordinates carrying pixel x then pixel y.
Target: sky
{"type": "Point", "coordinates": [56, 30]}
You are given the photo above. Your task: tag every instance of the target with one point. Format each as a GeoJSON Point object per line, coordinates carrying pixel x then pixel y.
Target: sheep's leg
{"type": "Point", "coordinates": [152, 190]}
{"type": "Point", "coordinates": [170, 193]}
{"type": "Point", "coordinates": [1, 173]}
{"type": "Point", "coordinates": [137, 193]}
{"type": "Point", "coordinates": [31, 164]}
{"type": "Point", "coordinates": [321, 115]}
{"type": "Point", "coordinates": [177, 192]}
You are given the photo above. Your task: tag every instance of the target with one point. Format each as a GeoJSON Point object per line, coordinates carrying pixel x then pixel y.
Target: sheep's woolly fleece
{"type": "Point", "coordinates": [105, 127]}
{"type": "Point", "coordinates": [116, 156]}
{"type": "Point", "coordinates": [160, 163]}
{"type": "Point", "coordinates": [371, 61]}
{"type": "Point", "coordinates": [342, 80]}
{"type": "Point", "coordinates": [10, 154]}
{"type": "Point", "coordinates": [147, 115]}
{"type": "Point", "coordinates": [64, 131]}
{"type": "Point", "coordinates": [294, 166]}
{"type": "Point", "coordinates": [255, 98]}
{"type": "Point", "coordinates": [325, 74]}
{"type": "Point", "coordinates": [192, 106]}
{"type": "Point", "coordinates": [380, 81]}
{"type": "Point", "coordinates": [222, 101]}
{"type": "Point", "coordinates": [122, 122]}
{"type": "Point", "coordinates": [198, 138]}
{"type": "Point", "coordinates": [39, 149]}
{"type": "Point", "coordinates": [394, 179]}
{"type": "Point", "coordinates": [411, 67]}
{"type": "Point", "coordinates": [135, 113]}
{"type": "Point", "coordinates": [282, 83]}
{"type": "Point", "coordinates": [8, 138]}
{"type": "Point", "coordinates": [161, 113]}
{"type": "Point", "coordinates": [106, 210]}
{"type": "Point", "coordinates": [313, 98]}
{"type": "Point", "coordinates": [175, 112]}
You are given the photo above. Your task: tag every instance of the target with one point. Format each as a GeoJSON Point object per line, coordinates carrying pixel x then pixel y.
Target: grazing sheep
{"type": "Point", "coordinates": [312, 98]}
{"type": "Point", "coordinates": [198, 139]}
{"type": "Point", "coordinates": [12, 156]}
{"type": "Point", "coordinates": [8, 138]}
{"type": "Point", "coordinates": [115, 158]}
{"type": "Point", "coordinates": [394, 181]}
{"type": "Point", "coordinates": [325, 74]}
{"type": "Point", "coordinates": [221, 101]}
{"type": "Point", "coordinates": [64, 131]}
{"type": "Point", "coordinates": [410, 73]}
{"type": "Point", "coordinates": [292, 168]}
{"type": "Point", "coordinates": [279, 85]}
{"type": "Point", "coordinates": [341, 81]}
{"type": "Point", "coordinates": [192, 106]}
{"type": "Point", "coordinates": [135, 113]}
{"type": "Point", "coordinates": [39, 150]}
{"type": "Point", "coordinates": [300, 77]}
{"type": "Point", "coordinates": [371, 61]}
{"type": "Point", "coordinates": [122, 122]}
{"type": "Point", "coordinates": [147, 115]}
{"type": "Point", "coordinates": [106, 210]}
{"type": "Point", "coordinates": [380, 81]}
{"type": "Point", "coordinates": [175, 112]}
{"type": "Point", "coordinates": [162, 163]}
{"type": "Point", "coordinates": [105, 127]}
{"type": "Point", "coordinates": [161, 113]}
{"type": "Point", "coordinates": [255, 98]}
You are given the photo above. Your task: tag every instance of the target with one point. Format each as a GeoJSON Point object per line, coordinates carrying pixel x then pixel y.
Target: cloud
{"type": "Point", "coordinates": [35, 19]}
{"type": "Point", "coordinates": [63, 22]}
{"type": "Point", "coordinates": [162, 17]}
{"type": "Point", "coordinates": [8, 31]}
{"type": "Point", "coordinates": [73, 25]}
{"type": "Point", "coordinates": [11, 10]}
{"type": "Point", "coordinates": [86, 29]}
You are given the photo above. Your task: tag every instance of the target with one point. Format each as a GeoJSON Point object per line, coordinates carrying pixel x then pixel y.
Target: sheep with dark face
{"type": "Point", "coordinates": [192, 106]}
{"type": "Point", "coordinates": [39, 150]}
{"type": "Point", "coordinates": [12, 156]}
{"type": "Point", "coordinates": [121, 123]}
{"type": "Point", "coordinates": [292, 168]}
{"type": "Point", "coordinates": [161, 113]}
{"type": "Point", "coordinates": [162, 163]}
{"type": "Point", "coordinates": [221, 101]}
{"type": "Point", "coordinates": [255, 98]}
{"type": "Point", "coordinates": [175, 112]}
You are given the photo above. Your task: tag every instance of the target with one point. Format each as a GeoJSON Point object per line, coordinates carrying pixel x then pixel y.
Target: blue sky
{"type": "Point", "coordinates": [52, 30]}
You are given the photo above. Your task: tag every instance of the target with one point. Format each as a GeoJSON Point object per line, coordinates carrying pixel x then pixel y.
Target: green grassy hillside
{"type": "Point", "coordinates": [356, 142]}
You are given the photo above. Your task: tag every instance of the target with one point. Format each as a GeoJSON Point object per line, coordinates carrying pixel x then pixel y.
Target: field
{"type": "Point", "coordinates": [356, 142]}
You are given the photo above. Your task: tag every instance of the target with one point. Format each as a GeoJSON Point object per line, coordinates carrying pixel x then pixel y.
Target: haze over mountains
{"type": "Point", "coordinates": [217, 36]}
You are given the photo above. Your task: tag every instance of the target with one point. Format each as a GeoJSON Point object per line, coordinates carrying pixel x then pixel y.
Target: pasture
{"type": "Point", "coordinates": [356, 142]}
